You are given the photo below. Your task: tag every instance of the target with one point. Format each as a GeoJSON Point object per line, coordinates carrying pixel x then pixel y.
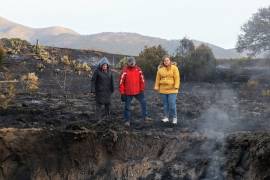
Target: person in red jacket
{"type": "Point", "coordinates": [131, 86]}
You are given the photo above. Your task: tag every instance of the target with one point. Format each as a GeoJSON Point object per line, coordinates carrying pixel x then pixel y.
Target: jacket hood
{"type": "Point", "coordinates": [102, 61]}
{"type": "Point", "coordinates": [161, 65]}
{"type": "Point", "coordinates": [131, 61]}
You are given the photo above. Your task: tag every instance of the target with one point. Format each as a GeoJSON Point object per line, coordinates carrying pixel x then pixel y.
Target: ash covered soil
{"type": "Point", "coordinates": [222, 132]}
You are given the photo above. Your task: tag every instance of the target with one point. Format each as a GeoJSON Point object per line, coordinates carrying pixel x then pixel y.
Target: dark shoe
{"type": "Point", "coordinates": [123, 98]}
{"type": "Point", "coordinates": [108, 116]}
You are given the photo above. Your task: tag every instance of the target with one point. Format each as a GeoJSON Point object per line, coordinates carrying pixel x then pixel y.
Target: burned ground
{"type": "Point", "coordinates": [223, 131]}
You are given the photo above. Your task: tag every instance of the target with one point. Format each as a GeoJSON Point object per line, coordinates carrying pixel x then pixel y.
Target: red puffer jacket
{"type": "Point", "coordinates": [131, 81]}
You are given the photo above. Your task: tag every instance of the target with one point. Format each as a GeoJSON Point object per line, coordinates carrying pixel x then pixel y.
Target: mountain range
{"type": "Point", "coordinates": [111, 42]}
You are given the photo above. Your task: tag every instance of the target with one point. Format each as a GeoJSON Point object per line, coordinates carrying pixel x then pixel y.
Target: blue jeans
{"type": "Point", "coordinates": [169, 105]}
{"type": "Point", "coordinates": [140, 97]}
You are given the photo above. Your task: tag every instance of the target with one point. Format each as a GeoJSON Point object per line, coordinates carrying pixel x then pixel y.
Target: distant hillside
{"type": "Point", "coordinates": [126, 43]}
{"type": "Point", "coordinates": [117, 43]}
{"type": "Point", "coordinates": [10, 29]}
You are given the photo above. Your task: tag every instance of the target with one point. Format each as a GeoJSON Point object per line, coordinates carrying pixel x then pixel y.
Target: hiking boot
{"type": "Point", "coordinates": [174, 121]}
{"type": "Point", "coordinates": [165, 119]}
{"type": "Point", "coordinates": [127, 124]}
{"type": "Point", "coordinates": [108, 117]}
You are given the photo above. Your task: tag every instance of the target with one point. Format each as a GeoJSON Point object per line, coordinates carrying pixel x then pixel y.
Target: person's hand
{"type": "Point", "coordinates": [123, 98]}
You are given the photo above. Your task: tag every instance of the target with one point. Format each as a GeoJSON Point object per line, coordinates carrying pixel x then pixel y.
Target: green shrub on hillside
{"type": "Point", "coordinates": [15, 45]}
{"type": "Point", "coordinates": [196, 64]}
{"type": "Point", "coordinates": [200, 64]}
{"type": "Point", "coordinates": [2, 55]}
{"type": "Point", "coordinates": [121, 63]}
{"type": "Point", "coordinates": [150, 58]}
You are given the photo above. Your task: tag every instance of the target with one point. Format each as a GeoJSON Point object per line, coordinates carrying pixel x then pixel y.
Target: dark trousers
{"type": "Point", "coordinates": [140, 97]}
{"type": "Point", "coordinates": [99, 111]}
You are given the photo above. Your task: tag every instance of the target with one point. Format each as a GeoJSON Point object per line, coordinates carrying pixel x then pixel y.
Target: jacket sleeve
{"type": "Point", "coordinates": [157, 81]}
{"type": "Point", "coordinates": [93, 82]}
{"type": "Point", "coordinates": [122, 82]}
{"type": "Point", "coordinates": [112, 83]}
{"type": "Point", "coordinates": [176, 78]}
{"type": "Point", "coordinates": [142, 80]}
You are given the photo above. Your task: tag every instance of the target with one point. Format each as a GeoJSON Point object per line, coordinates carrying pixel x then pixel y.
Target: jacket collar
{"type": "Point", "coordinates": [168, 67]}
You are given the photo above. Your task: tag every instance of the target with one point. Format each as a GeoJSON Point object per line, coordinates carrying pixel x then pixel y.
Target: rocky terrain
{"type": "Point", "coordinates": [52, 133]}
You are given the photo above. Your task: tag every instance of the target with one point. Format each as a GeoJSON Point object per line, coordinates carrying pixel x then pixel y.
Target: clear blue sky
{"type": "Point", "coordinates": [213, 21]}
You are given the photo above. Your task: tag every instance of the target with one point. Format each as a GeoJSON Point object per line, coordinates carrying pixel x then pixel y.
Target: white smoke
{"type": "Point", "coordinates": [215, 122]}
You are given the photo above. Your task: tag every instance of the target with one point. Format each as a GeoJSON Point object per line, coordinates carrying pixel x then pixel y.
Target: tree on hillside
{"type": "Point", "coordinates": [182, 55]}
{"type": "Point", "coordinates": [185, 47]}
{"type": "Point", "coordinates": [150, 58]}
{"type": "Point", "coordinates": [195, 63]}
{"type": "Point", "coordinates": [201, 64]}
{"type": "Point", "coordinates": [255, 35]}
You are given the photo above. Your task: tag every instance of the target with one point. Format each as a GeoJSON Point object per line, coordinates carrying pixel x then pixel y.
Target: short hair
{"type": "Point", "coordinates": [131, 61]}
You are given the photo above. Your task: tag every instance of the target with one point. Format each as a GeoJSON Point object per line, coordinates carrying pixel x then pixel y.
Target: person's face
{"type": "Point", "coordinates": [167, 61]}
{"type": "Point", "coordinates": [131, 64]}
{"type": "Point", "coordinates": [104, 67]}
